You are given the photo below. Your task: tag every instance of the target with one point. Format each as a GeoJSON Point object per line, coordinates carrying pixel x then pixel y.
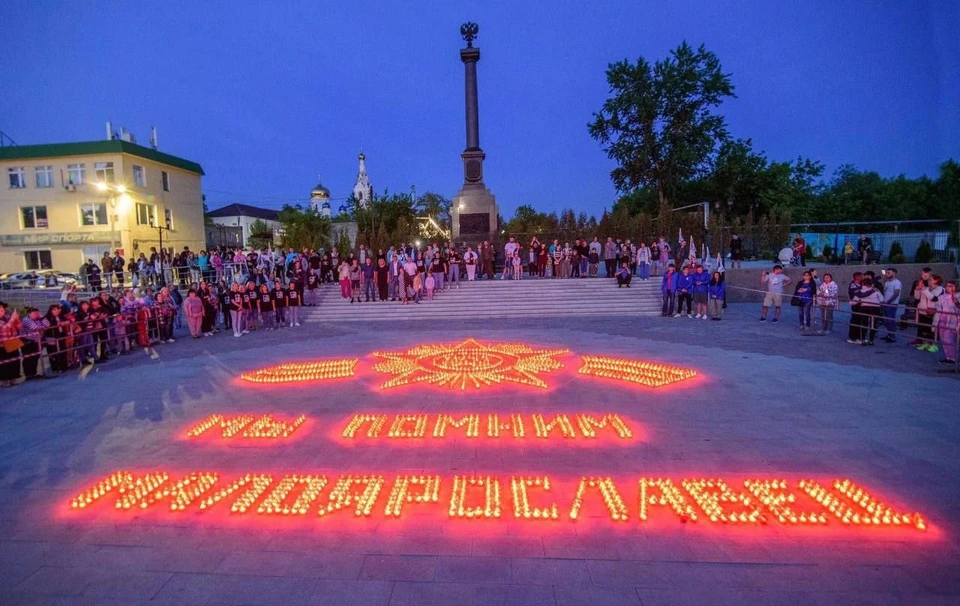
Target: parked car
{"type": "Point", "coordinates": [27, 279]}
{"type": "Point", "coordinates": [62, 278]}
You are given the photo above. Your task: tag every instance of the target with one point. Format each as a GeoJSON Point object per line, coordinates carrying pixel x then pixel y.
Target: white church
{"type": "Point", "coordinates": [362, 192]}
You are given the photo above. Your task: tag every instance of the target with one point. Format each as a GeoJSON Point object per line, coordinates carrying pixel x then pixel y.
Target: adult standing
{"type": "Point", "coordinates": [855, 333]}
{"type": "Point", "coordinates": [923, 319]}
{"type": "Point", "coordinates": [369, 280]}
{"type": "Point", "coordinates": [436, 269]}
{"type": "Point", "coordinates": [453, 269]}
{"type": "Point", "coordinates": [106, 266]}
{"type": "Point", "coordinates": [827, 302]}
{"type": "Point", "coordinates": [643, 261]}
{"type": "Point", "coordinates": [864, 248]}
{"type": "Point", "coordinates": [799, 248]}
{"type": "Point", "coordinates": [663, 249]}
{"type": "Point", "coordinates": [486, 255]}
{"type": "Point", "coordinates": [118, 265]}
{"type": "Point", "coordinates": [610, 257]}
{"type": "Point", "coordinates": [470, 260]}
{"type": "Point", "coordinates": [10, 343]}
{"type": "Point", "coordinates": [775, 282]}
{"type": "Point", "coordinates": [892, 288]}
{"type": "Point", "coordinates": [383, 279]}
{"type": "Point", "coordinates": [736, 252]}
{"type": "Point", "coordinates": [668, 288]}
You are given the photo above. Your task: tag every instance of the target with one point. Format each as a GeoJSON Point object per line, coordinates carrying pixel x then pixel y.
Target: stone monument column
{"type": "Point", "coordinates": [474, 209]}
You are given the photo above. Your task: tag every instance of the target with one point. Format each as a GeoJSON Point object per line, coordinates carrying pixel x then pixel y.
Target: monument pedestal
{"type": "Point", "coordinates": [473, 215]}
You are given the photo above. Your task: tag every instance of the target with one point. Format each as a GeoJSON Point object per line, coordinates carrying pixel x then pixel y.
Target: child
{"type": "Point", "coordinates": [701, 281]}
{"type": "Point", "coordinates": [716, 293]}
{"type": "Point", "coordinates": [193, 307]}
{"type": "Point", "coordinates": [293, 304]}
{"type": "Point", "coordinates": [517, 266]}
{"type": "Point", "coordinates": [265, 305]}
{"type": "Point", "coordinates": [280, 303]}
{"type": "Point", "coordinates": [431, 283]}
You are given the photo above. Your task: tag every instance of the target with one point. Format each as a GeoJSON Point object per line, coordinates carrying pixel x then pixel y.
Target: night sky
{"type": "Point", "coordinates": [265, 98]}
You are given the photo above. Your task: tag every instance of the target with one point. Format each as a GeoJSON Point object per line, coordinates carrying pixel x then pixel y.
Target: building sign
{"type": "Point", "coordinates": [92, 237]}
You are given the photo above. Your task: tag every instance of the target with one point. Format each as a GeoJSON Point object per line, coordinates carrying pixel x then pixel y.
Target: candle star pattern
{"type": "Point", "coordinates": [468, 364]}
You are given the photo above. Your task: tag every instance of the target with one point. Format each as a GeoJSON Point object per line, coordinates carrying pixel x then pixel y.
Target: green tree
{"type": "Point", "coordinates": [342, 242]}
{"type": "Point", "coordinates": [261, 234]}
{"type": "Point", "coordinates": [660, 126]}
{"type": "Point", "coordinates": [304, 228]}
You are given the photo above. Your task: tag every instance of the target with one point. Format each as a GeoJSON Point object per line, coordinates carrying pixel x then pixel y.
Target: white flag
{"type": "Point", "coordinates": [680, 237]}
{"type": "Point", "coordinates": [720, 267]}
{"type": "Point", "coordinates": [692, 255]}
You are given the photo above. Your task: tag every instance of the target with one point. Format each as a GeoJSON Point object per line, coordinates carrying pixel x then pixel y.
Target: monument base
{"type": "Point", "coordinates": [473, 215]}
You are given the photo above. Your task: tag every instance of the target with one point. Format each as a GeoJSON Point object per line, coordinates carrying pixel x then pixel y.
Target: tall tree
{"type": "Point", "coordinates": [660, 126]}
{"type": "Point", "coordinates": [304, 228]}
{"type": "Point", "coordinates": [261, 234]}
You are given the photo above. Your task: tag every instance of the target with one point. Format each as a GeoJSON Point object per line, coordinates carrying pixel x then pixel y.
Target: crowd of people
{"type": "Point", "coordinates": [140, 303]}
{"type": "Point", "coordinates": [877, 302]}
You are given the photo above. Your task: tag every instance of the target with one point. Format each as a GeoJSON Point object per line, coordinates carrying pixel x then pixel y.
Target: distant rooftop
{"type": "Point", "coordinates": [244, 210]}
{"type": "Point", "coordinates": [83, 148]}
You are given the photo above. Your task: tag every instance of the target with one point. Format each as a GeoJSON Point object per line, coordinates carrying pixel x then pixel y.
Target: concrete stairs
{"type": "Point", "coordinates": [500, 299]}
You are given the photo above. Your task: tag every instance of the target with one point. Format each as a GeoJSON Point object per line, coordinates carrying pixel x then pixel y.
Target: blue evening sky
{"type": "Point", "coordinates": [267, 94]}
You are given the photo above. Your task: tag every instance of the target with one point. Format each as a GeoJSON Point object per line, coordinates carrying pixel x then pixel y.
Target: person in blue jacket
{"type": "Point", "coordinates": [684, 292]}
{"type": "Point", "coordinates": [700, 281]}
{"type": "Point", "coordinates": [716, 293]}
{"type": "Point", "coordinates": [668, 286]}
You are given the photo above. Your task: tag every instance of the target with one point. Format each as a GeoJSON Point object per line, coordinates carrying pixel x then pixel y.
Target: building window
{"type": "Point", "coordinates": [34, 217]}
{"type": "Point", "coordinates": [166, 180]}
{"type": "Point", "coordinates": [44, 176]}
{"type": "Point", "coordinates": [168, 218]}
{"type": "Point", "coordinates": [76, 174]}
{"type": "Point", "coordinates": [37, 259]}
{"type": "Point", "coordinates": [17, 178]}
{"type": "Point", "coordinates": [104, 172]}
{"type": "Point", "coordinates": [139, 176]}
{"type": "Point", "coordinates": [93, 214]}
{"type": "Point", "coordinates": [146, 214]}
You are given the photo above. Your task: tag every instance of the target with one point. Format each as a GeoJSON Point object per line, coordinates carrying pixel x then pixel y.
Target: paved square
{"type": "Point", "coordinates": [767, 403]}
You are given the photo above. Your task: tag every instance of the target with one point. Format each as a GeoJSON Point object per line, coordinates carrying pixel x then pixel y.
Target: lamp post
{"type": "Point", "coordinates": [160, 228]}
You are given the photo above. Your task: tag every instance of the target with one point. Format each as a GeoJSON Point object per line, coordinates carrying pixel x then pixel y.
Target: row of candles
{"type": "Point", "coordinates": [650, 374]}
{"type": "Point", "coordinates": [415, 425]}
{"type": "Point", "coordinates": [480, 497]}
{"type": "Point", "coordinates": [293, 372]}
{"type": "Point", "coordinates": [263, 427]}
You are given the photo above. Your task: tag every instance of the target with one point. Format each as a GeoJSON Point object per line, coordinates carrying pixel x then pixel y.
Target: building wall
{"type": "Point", "coordinates": [244, 222]}
{"type": "Point", "coordinates": [70, 242]}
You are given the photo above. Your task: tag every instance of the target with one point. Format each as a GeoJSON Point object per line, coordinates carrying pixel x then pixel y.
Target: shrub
{"type": "Point", "coordinates": [924, 253]}
{"type": "Point", "coordinates": [895, 251]}
{"type": "Point", "coordinates": [901, 258]}
{"type": "Point", "coordinates": [827, 252]}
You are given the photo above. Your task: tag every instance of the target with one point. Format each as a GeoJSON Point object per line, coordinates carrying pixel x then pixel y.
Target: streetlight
{"type": "Point", "coordinates": [118, 193]}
